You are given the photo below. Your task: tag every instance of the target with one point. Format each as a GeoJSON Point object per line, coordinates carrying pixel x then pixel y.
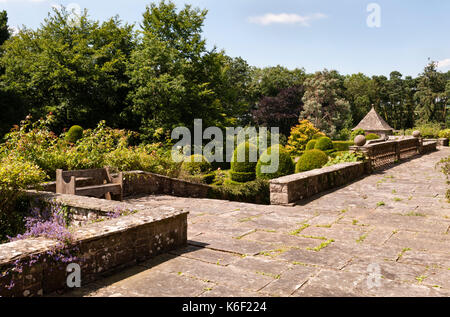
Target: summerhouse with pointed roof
{"type": "Point", "coordinates": [374, 123]}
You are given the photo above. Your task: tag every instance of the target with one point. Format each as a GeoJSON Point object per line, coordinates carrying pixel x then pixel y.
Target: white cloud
{"type": "Point", "coordinates": [286, 18]}
{"type": "Point", "coordinates": [445, 63]}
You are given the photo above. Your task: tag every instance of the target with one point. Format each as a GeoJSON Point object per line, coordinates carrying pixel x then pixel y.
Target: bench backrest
{"type": "Point", "coordinates": [98, 176]}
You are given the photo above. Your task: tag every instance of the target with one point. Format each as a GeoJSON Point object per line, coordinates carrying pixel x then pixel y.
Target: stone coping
{"type": "Point", "coordinates": [103, 246]}
{"type": "Point", "coordinates": [12, 251]}
{"type": "Point", "coordinates": [315, 172]}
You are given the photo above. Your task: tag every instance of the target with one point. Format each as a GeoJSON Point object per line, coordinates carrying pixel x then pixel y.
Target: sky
{"type": "Point", "coordinates": [350, 36]}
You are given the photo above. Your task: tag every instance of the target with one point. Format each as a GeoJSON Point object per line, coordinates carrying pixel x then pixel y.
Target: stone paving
{"type": "Point", "coordinates": [385, 235]}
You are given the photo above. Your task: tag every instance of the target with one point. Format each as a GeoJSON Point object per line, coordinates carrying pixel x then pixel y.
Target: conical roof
{"type": "Point", "coordinates": [373, 122]}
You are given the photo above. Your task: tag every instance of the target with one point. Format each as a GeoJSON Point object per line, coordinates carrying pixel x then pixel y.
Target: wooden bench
{"type": "Point", "coordinates": [96, 183]}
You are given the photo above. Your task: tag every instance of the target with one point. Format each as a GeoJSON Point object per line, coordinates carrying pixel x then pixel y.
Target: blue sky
{"type": "Point", "coordinates": [313, 34]}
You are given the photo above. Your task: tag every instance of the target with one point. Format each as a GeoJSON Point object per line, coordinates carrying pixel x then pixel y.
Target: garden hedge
{"type": "Point", "coordinates": [191, 166]}
{"type": "Point", "coordinates": [243, 170]}
{"type": "Point", "coordinates": [74, 134]}
{"type": "Point", "coordinates": [311, 160]}
{"type": "Point", "coordinates": [285, 167]}
{"type": "Point", "coordinates": [342, 145]}
{"type": "Point", "coordinates": [324, 144]}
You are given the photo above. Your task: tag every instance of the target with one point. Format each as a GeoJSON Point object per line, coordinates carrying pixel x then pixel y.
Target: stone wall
{"type": "Point", "coordinates": [293, 188]}
{"type": "Point", "coordinates": [101, 247]}
{"type": "Point", "coordinates": [145, 183]}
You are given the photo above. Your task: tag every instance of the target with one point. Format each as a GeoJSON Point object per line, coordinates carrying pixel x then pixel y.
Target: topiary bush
{"type": "Point", "coordinates": [319, 135]}
{"type": "Point", "coordinates": [74, 134]}
{"type": "Point", "coordinates": [372, 136]}
{"type": "Point", "coordinates": [285, 167]}
{"type": "Point", "coordinates": [311, 145]}
{"type": "Point", "coordinates": [196, 164]}
{"type": "Point", "coordinates": [311, 160]}
{"type": "Point", "coordinates": [324, 144]}
{"type": "Point", "coordinates": [244, 165]}
{"type": "Point", "coordinates": [342, 145]}
{"type": "Point", "coordinates": [243, 170]}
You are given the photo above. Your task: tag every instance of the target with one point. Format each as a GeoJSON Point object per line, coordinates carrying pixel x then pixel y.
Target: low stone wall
{"type": "Point", "coordinates": [145, 183]}
{"type": "Point", "coordinates": [101, 248]}
{"type": "Point", "coordinates": [293, 188]}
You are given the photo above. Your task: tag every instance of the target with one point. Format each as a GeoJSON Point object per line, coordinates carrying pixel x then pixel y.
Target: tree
{"type": "Point", "coordinates": [4, 30]}
{"type": "Point", "coordinates": [324, 104]}
{"type": "Point", "coordinates": [75, 71]}
{"type": "Point", "coordinates": [175, 79]}
{"type": "Point", "coordinates": [281, 111]}
{"type": "Point", "coordinates": [431, 96]}
{"type": "Point", "coordinates": [357, 88]}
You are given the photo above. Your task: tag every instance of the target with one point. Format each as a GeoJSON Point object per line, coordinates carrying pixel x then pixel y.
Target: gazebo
{"type": "Point", "coordinates": [374, 123]}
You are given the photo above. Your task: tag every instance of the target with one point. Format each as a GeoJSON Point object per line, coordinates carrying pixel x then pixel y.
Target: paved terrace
{"type": "Point", "coordinates": [397, 219]}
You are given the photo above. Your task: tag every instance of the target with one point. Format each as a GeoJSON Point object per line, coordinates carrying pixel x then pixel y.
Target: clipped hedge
{"type": "Point", "coordinates": [285, 167]}
{"type": "Point", "coordinates": [74, 134]}
{"type": "Point", "coordinates": [324, 144]}
{"type": "Point", "coordinates": [257, 192]}
{"type": "Point", "coordinates": [196, 164]}
{"type": "Point", "coordinates": [311, 160]}
{"type": "Point", "coordinates": [311, 145]}
{"type": "Point", "coordinates": [342, 145]}
{"type": "Point", "coordinates": [372, 136]}
{"type": "Point", "coordinates": [243, 171]}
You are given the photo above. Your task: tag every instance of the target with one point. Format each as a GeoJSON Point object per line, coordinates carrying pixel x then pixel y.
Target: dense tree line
{"type": "Point", "coordinates": [160, 74]}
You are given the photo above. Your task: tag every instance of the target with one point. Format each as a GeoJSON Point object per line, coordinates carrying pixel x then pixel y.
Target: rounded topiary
{"type": "Point", "coordinates": [311, 160]}
{"type": "Point", "coordinates": [372, 136]}
{"type": "Point", "coordinates": [285, 164]}
{"type": "Point", "coordinates": [74, 134]}
{"type": "Point", "coordinates": [311, 145]}
{"type": "Point", "coordinates": [243, 162]}
{"type": "Point", "coordinates": [324, 144]}
{"type": "Point", "coordinates": [196, 164]}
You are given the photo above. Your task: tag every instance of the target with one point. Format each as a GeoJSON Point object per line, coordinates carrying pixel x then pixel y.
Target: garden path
{"type": "Point", "coordinates": [396, 221]}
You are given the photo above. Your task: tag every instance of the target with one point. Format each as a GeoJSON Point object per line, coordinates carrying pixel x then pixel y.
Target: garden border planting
{"type": "Point", "coordinates": [102, 247]}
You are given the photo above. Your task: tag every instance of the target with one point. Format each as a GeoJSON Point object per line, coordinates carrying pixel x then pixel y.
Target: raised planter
{"type": "Point", "coordinates": [103, 247]}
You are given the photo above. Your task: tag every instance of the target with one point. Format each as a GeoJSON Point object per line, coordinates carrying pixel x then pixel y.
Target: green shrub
{"type": "Point", "coordinates": [196, 164]}
{"type": "Point", "coordinates": [355, 133]}
{"type": "Point", "coordinates": [445, 134]}
{"type": "Point", "coordinates": [427, 130]}
{"type": "Point", "coordinates": [15, 175]}
{"type": "Point", "coordinates": [242, 177]}
{"type": "Point", "coordinates": [257, 192]}
{"type": "Point", "coordinates": [372, 136]}
{"type": "Point", "coordinates": [74, 134]}
{"type": "Point", "coordinates": [311, 145]}
{"type": "Point", "coordinates": [243, 170]}
{"type": "Point", "coordinates": [346, 157]}
{"type": "Point", "coordinates": [300, 136]}
{"type": "Point", "coordinates": [285, 167]}
{"type": "Point", "coordinates": [208, 178]}
{"type": "Point", "coordinates": [342, 145]}
{"type": "Point", "coordinates": [324, 144]}
{"type": "Point", "coordinates": [311, 160]}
